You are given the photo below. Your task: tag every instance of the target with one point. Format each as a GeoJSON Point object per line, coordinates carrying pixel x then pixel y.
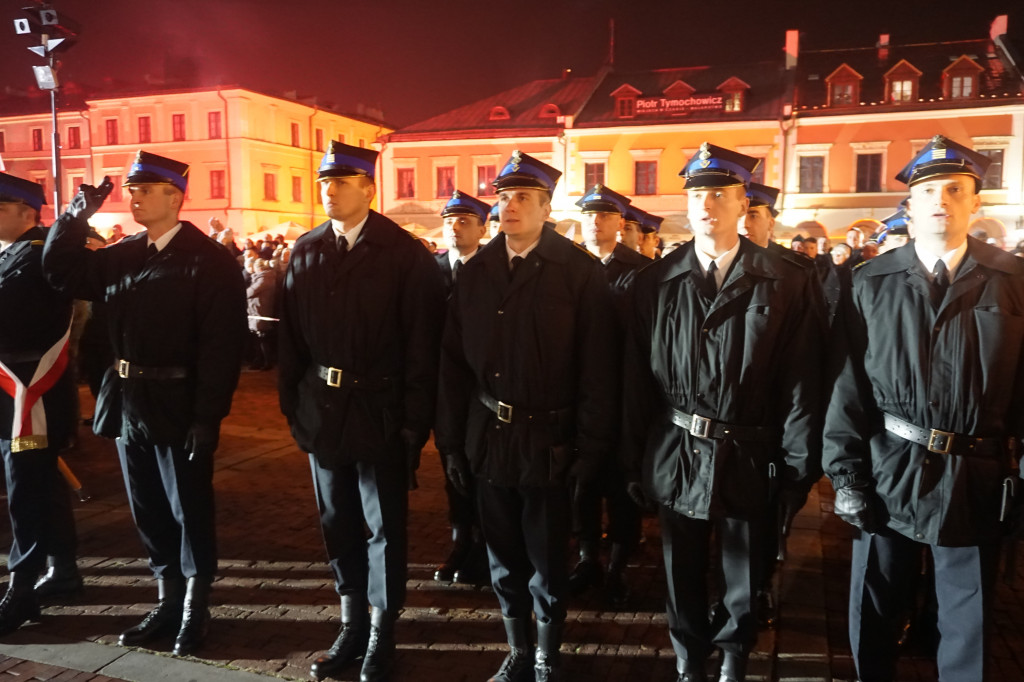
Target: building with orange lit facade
{"type": "Point", "coordinates": [832, 127]}
{"type": "Point", "coordinates": [252, 157]}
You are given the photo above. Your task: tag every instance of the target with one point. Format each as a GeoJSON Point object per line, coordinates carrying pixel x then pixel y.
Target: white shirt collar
{"type": "Point", "coordinates": [951, 258]}
{"type": "Point", "coordinates": [453, 256]}
{"type": "Point", "coordinates": [165, 238]}
{"type": "Point", "coordinates": [723, 262]}
{"type": "Point", "coordinates": [524, 253]}
{"type": "Point", "coordinates": [352, 234]}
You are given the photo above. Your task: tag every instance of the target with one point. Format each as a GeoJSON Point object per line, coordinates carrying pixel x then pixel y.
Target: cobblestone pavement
{"type": "Point", "coordinates": [275, 610]}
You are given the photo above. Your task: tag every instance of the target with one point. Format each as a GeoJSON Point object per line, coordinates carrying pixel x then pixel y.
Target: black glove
{"type": "Point", "coordinates": [201, 441]}
{"type": "Point", "coordinates": [636, 493]}
{"type": "Point", "coordinates": [458, 472]}
{"type": "Point", "coordinates": [791, 501]}
{"type": "Point", "coordinates": [855, 504]}
{"type": "Point", "coordinates": [413, 445]}
{"type": "Point", "coordinates": [89, 199]}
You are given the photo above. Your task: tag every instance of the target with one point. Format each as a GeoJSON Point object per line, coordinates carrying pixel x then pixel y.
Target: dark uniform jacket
{"type": "Point", "coordinates": [540, 343]}
{"type": "Point", "coordinates": [446, 268]}
{"type": "Point", "coordinates": [746, 359]}
{"type": "Point", "coordinates": [375, 314]}
{"type": "Point", "coordinates": [182, 308]}
{"type": "Point", "coordinates": [622, 267]}
{"type": "Point", "coordinates": [33, 317]}
{"type": "Point", "coordinates": [958, 370]}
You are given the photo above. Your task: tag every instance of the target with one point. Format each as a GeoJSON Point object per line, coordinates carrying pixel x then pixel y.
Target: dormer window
{"type": "Point", "coordinates": [734, 93]}
{"type": "Point", "coordinates": [843, 87]}
{"type": "Point", "coordinates": [549, 110]}
{"type": "Point", "coordinates": [625, 101]}
{"type": "Point", "coordinates": [499, 113]}
{"type": "Point", "coordinates": [960, 79]}
{"type": "Point", "coordinates": [901, 83]}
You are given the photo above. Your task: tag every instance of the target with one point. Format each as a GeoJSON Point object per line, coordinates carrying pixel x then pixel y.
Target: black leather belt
{"type": "Point", "coordinates": [336, 378]}
{"type": "Point", "coordinates": [131, 370]}
{"type": "Point", "coordinates": [702, 427]}
{"type": "Point", "coordinates": [506, 413]}
{"type": "Point", "coordinates": [944, 442]}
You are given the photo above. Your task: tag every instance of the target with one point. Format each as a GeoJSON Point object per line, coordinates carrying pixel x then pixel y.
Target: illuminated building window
{"type": "Point", "coordinates": [296, 135]}
{"type": "Point", "coordinates": [869, 172]}
{"type": "Point", "coordinates": [733, 101]}
{"type": "Point", "coordinates": [269, 187]}
{"type": "Point", "coordinates": [74, 182]}
{"type": "Point", "coordinates": [37, 139]}
{"type": "Point", "coordinates": [962, 87]}
{"type": "Point", "coordinates": [3, 142]}
{"type": "Point", "coordinates": [842, 94]}
{"type": "Point", "coordinates": [319, 139]}
{"type": "Point", "coordinates": [74, 137]}
{"type": "Point", "coordinates": [646, 177]}
{"type": "Point", "coordinates": [593, 174]}
{"type": "Point", "coordinates": [362, 142]}
{"type": "Point", "coordinates": [217, 184]}
{"type": "Point", "coordinates": [145, 130]}
{"type": "Point", "coordinates": [341, 138]}
{"type": "Point", "coordinates": [812, 174]}
{"type": "Point", "coordinates": [110, 126]}
{"type": "Point", "coordinates": [901, 90]}
{"type": "Point", "coordinates": [296, 188]}
{"type": "Point", "coordinates": [213, 125]}
{"type": "Point", "coordinates": [405, 183]}
{"type": "Point", "coordinates": [758, 174]}
{"type": "Point", "coordinates": [445, 181]}
{"type": "Point", "coordinates": [485, 180]}
{"type": "Point", "coordinates": [178, 127]}
{"type": "Point", "coordinates": [994, 176]}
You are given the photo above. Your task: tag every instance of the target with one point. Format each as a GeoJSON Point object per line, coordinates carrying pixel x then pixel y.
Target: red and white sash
{"type": "Point", "coordinates": [28, 432]}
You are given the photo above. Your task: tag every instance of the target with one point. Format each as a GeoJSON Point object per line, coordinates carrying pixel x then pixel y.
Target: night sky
{"type": "Point", "coordinates": [415, 58]}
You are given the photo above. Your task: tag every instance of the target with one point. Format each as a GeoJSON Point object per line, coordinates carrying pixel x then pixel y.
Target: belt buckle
{"type": "Point", "coordinates": [334, 377]}
{"type": "Point", "coordinates": [700, 427]}
{"type": "Point", "coordinates": [122, 368]}
{"type": "Point", "coordinates": [940, 442]}
{"type": "Point", "coordinates": [504, 412]}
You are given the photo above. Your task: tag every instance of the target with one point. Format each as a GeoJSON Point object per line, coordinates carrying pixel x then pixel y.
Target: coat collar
{"type": "Point", "coordinates": [904, 259]}
{"type": "Point", "coordinates": [751, 259]}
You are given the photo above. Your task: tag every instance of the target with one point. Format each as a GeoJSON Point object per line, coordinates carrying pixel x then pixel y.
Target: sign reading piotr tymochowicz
{"type": "Point", "coordinates": [680, 105]}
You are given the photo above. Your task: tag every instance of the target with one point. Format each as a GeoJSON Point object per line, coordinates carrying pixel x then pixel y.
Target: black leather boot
{"type": "Point", "coordinates": [734, 668]}
{"type": "Point", "coordinates": [380, 650]}
{"type": "Point", "coordinates": [163, 620]}
{"type": "Point", "coordinates": [548, 662]}
{"type": "Point", "coordinates": [350, 643]}
{"type": "Point", "coordinates": [61, 579]}
{"type": "Point", "coordinates": [19, 604]}
{"type": "Point", "coordinates": [518, 665]}
{"type": "Point", "coordinates": [587, 572]}
{"type": "Point", "coordinates": [474, 569]}
{"type": "Point", "coordinates": [690, 671]}
{"type": "Point", "coordinates": [195, 616]}
{"type": "Point", "coordinates": [462, 542]}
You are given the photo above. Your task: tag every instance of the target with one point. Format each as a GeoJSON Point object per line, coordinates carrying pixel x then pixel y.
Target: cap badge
{"type": "Point", "coordinates": [517, 159]}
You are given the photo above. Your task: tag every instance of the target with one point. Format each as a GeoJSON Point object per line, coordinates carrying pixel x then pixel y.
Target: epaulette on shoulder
{"type": "Point", "coordinates": [583, 249]}
{"type": "Point", "coordinates": [859, 265]}
{"type": "Point", "coordinates": [37, 242]}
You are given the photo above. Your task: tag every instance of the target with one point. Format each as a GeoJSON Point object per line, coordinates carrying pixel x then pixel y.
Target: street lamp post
{"type": "Point", "coordinates": [56, 34]}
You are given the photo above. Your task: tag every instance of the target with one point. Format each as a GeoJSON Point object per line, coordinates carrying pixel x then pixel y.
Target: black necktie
{"type": "Point", "coordinates": [455, 270]}
{"type": "Point", "coordinates": [710, 281]}
{"type": "Point", "coordinates": [514, 266]}
{"type": "Point", "coordinates": [940, 283]}
{"type": "Point", "coordinates": [151, 251]}
{"type": "Point", "coordinates": [342, 245]}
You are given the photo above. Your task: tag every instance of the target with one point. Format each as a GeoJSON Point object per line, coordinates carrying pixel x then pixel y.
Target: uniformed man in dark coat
{"type": "Point", "coordinates": [361, 318]}
{"type": "Point", "coordinates": [603, 219]}
{"type": "Point", "coordinates": [465, 224]}
{"type": "Point", "coordinates": [922, 432]}
{"type": "Point", "coordinates": [528, 403]}
{"type": "Point", "coordinates": [36, 400]}
{"type": "Point", "coordinates": [723, 411]}
{"type": "Point", "coordinates": [650, 227]}
{"type": "Point", "coordinates": [176, 308]}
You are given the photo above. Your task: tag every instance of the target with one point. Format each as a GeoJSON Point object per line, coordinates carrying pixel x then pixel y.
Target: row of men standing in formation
{"type": "Point", "coordinates": [712, 355]}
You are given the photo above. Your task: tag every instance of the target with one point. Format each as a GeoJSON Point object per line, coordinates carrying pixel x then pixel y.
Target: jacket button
{"type": "Point", "coordinates": [696, 452]}
{"type": "Point", "coordinates": [497, 375]}
{"type": "Point", "coordinates": [919, 536]}
{"type": "Point", "coordinates": [700, 395]}
{"type": "Point", "coordinates": [927, 461]}
{"type": "Point", "coordinates": [501, 312]}
{"type": "Point", "coordinates": [705, 330]}
{"type": "Point", "coordinates": [690, 512]}
{"type": "Point", "coordinates": [933, 403]}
